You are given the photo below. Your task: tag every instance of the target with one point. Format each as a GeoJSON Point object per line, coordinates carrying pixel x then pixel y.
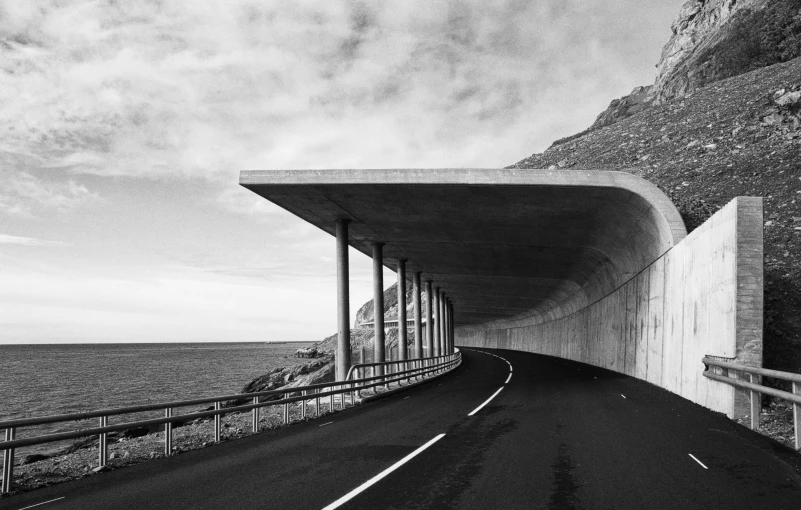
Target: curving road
{"type": "Point", "coordinates": [556, 434]}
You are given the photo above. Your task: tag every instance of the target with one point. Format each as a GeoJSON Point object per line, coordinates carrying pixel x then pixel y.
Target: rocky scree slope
{"type": "Point", "coordinates": [737, 137]}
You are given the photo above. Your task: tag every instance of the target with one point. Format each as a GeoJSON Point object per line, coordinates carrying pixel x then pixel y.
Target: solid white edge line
{"type": "Point", "coordinates": [698, 461]}
{"type": "Point", "coordinates": [324, 424]}
{"type": "Point", "coordinates": [361, 488]}
{"type": "Point", "coordinates": [508, 378]}
{"type": "Point", "coordinates": [477, 409]}
{"type": "Point", "coordinates": [43, 503]}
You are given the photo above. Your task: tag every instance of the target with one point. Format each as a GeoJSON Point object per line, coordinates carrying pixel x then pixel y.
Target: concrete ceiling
{"type": "Point", "coordinates": [503, 244]}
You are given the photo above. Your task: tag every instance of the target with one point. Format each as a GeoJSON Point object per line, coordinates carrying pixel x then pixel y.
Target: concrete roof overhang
{"type": "Point", "coordinates": [505, 245]}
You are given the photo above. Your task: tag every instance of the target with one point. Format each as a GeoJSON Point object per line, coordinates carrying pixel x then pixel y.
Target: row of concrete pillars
{"type": "Point", "coordinates": [439, 326]}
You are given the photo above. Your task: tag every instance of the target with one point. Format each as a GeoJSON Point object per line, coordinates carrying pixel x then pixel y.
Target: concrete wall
{"type": "Point", "coordinates": [702, 297]}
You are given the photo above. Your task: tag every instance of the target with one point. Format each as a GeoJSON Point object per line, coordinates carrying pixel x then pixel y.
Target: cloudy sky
{"type": "Point", "coordinates": [124, 124]}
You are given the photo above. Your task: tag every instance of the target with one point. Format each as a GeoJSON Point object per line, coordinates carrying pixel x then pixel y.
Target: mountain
{"type": "Point", "coordinates": [712, 40]}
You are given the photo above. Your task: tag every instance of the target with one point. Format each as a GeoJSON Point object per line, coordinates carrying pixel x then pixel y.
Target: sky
{"type": "Point", "coordinates": [124, 125]}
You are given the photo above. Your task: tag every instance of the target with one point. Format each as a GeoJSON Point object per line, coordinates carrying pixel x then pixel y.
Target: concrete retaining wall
{"type": "Point", "coordinates": [702, 297]}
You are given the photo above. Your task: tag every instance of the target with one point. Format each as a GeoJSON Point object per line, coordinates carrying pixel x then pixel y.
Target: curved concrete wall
{"type": "Point", "coordinates": [702, 297]}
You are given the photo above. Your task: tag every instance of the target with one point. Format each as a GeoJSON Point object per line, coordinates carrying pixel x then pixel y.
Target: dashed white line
{"type": "Point", "coordinates": [361, 488]}
{"type": "Point", "coordinates": [508, 378]}
{"type": "Point", "coordinates": [698, 461]}
{"type": "Point", "coordinates": [324, 424]}
{"type": "Point", "coordinates": [477, 409]}
{"type": "Point", "coordinates": [622, 395]}
{"type": "Point", "coordinates": [42, 503]}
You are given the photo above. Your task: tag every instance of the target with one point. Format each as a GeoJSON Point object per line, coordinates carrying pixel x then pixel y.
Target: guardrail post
{"type": "Point", "coordinates": [286, 410]}
{"type": "Point", "coordinates": [8, 462]}
{"type": "Point", "coordinates": [217, 424]}
{"type": "Point", "coordinates": [255, 415]}
{"type": "Point", "coordinates": [331, 403]}
{"type": "Point", "coordinates": [797, 417]}
{"type": "Point", "coordinates": [756, 403]}
{"type": "Point", "coordinates": [303, 405]}
{"type": "Point", "coordinates": [102, 443]}
{"type": "Point", "coordinates": [168, 433]}
{"type": "Point", "coordinates": [317, 403]}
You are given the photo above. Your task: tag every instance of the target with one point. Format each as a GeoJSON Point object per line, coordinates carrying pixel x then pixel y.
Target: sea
{"type": "Point", "coordinates": [43, 380]}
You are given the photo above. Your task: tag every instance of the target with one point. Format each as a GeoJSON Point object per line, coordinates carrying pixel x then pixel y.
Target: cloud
{"type": "Point", "coordinates": [23, 194]}
{"type": "Point", "coordinates": [158, 88]}
{"type": "Point", "coordinates": [26, 241]}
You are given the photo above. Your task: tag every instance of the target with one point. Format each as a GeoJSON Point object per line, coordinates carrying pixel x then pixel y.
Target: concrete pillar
{"type": "Point", "coordinates": [418, 316]}
{"type": "Point", "coordinates": [445, 317]}
{"type": "Point", "coordinates": [435, 325]}
{"type": "Point", "coordinates": [402, 329]}
{"type": "Point", "coordinates": [343, 302]}
{"type": "Point", "coordinates": [453, 330]}
{"type": "Point", "coordinates": [450, 327]}
{"type": "Point", "coordinates": [429, 319]}
{"type": "Point", "coordinates": [378, 303]}
{"type": "Point", "coordinates": [441, 323]}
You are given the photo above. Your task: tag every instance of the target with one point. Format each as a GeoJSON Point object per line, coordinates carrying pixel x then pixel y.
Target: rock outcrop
{"type": "Point", "coordinates": [713, 40]}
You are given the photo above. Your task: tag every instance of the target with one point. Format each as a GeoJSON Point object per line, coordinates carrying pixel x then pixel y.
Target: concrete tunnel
{"type": "Point", "coordinates": [592, 266]}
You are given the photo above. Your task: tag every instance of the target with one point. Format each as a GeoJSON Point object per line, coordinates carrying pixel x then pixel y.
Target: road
{"type": "Point", "coordinates": [557, 435]}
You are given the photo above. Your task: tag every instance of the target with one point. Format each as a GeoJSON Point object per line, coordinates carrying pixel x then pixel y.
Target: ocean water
{"type": "Point", "coordinates": [43, 380]}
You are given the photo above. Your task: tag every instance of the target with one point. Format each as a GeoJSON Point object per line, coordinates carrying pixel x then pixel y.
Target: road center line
{"type": "Point", "coordinates": [477, 409]}
{"type": "Point", "coordinates": [508, 378]}
{"type": "Point", "coordinates": [698, 461]}
{"type": "Point", "coordinates": [42, 503]}
{"type": "Point", "coordinates": [372, 481]}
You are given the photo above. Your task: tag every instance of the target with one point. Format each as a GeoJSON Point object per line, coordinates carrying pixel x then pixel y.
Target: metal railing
{"type": "Point", "coordinates": [428, 367]}
{"type": "Point", "coordinates": [406, 370]}
{"type": "Point", "coordinates": [757, 389]}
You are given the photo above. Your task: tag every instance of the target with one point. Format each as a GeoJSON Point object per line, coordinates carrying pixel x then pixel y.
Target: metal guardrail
{"type": "Point", "coordinates": [420, 369]}
{"type": "Point", "coordinates": [757, 389]}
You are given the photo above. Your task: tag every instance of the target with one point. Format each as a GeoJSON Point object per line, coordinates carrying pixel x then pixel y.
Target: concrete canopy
{"type": "Point", "coordinates": [504, 244]}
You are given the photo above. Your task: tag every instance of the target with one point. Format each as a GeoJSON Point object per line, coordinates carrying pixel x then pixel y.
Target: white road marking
{"type": "Point", "coordinates": [372, 481]}
{"type": "Point", "coordinates": [404, 398]}
{"type": "Point", "coordinates": [477, 409]}
{"type": "Point", "coordinates": [622, 395]}
{"type": "Point", "coordinates": [508, 378]}
{"type": "Point", "coordinates": [42, 503]}
{"type": "Point", "coordinates": [698, 461]}
{"type": "Point", "coordinates": [324, 424]}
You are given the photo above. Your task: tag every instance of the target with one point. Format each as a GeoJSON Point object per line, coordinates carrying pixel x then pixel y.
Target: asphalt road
{"type": "Point", "coordinates": [558, 435]}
